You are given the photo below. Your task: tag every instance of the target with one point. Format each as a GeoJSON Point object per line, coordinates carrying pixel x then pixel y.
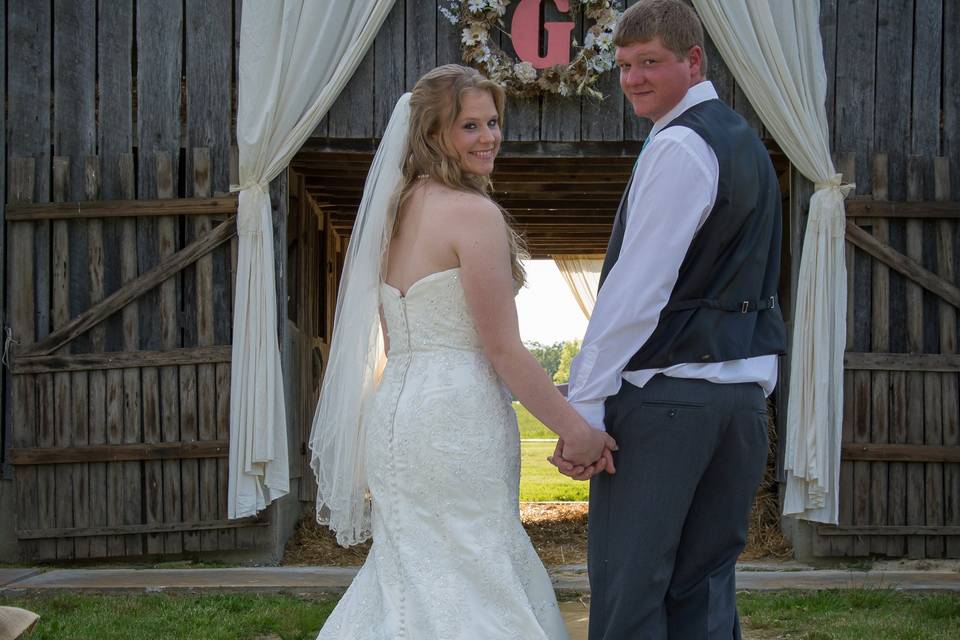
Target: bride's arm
{"type": "Point", "coordinates": [480, 239]}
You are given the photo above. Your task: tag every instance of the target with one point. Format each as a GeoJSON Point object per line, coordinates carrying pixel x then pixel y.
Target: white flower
{"type": "Point", "coordinates": [477, 6]}
{"type": "Point", "coordinates": [474, 34]}
{"type": "Point", "coordinates": [605, 41]}
{"type": "Point", "coordinates": [484, 54]}
{"type": "Point", "coordinates": [589, 40]}
{"type": "Point", "coordinates": [563, 89]}
{"type": "Point", "coordinates": [525, 72]}
{"type": "Point", "coordinates": [451, 14]}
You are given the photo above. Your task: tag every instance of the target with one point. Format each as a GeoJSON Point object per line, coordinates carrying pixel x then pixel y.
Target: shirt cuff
{"type": "Point", "coordinates": [592, 411]}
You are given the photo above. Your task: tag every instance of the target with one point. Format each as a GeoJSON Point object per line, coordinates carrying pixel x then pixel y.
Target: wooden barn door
{"type": "Point", "coordinates": [900, 470]}
{"type": "Point", "coordinates": [120, 400]}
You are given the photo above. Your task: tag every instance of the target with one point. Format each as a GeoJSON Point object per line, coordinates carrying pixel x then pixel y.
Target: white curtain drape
{"type": "Point", "coordinates": [775, 53]}
{"type": "Point", "coordinates": [295, 58]}
{"type": "Point", "coordinates": [582, 275]}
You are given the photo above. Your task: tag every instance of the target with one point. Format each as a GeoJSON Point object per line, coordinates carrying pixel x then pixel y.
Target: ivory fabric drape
{"type": "Point", "coordinates": [776, 55]}
{"type": "Point", "coordinates": [582, 275]}
{"type": "Point", "coordinates": [295, 58]}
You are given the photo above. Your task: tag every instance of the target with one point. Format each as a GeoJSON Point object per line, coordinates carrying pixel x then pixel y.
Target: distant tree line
{"type": "Point", "coordinates": [555, 358]}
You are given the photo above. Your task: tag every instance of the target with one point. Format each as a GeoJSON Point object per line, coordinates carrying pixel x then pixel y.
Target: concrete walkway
{"type": "Point", "coordinates": [568, 580]}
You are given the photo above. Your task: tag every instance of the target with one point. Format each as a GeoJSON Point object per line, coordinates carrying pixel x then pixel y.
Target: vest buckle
{"type": "Point", "coordinates": [745, 306]}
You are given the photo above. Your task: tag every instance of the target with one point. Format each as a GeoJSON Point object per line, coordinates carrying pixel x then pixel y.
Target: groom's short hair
{"type": "Point", "coordinates": [675, 22]}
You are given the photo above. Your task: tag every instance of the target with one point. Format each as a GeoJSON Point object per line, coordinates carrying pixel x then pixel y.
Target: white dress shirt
{"type": "Point", "coordinates": [674, 189]}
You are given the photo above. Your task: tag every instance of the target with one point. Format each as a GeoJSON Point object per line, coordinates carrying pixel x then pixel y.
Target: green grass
{"type": "Point", "coordinates": [174, 617]}
{"type": "Point", "coordinates": [540, 481]}
{"type": "Point", "coordinates": [530, 427]}
{"type": "Point", "coordinates": [825, 615]}
{"type": "Point", "coordinates": [850, 615]}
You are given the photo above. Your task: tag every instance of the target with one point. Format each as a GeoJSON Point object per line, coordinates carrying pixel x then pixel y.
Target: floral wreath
{"type": "Point", "coordinates": [478, 18]}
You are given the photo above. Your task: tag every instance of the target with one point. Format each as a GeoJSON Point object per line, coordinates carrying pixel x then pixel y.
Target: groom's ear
{"type": "Point", "coordinates": [695, 58]}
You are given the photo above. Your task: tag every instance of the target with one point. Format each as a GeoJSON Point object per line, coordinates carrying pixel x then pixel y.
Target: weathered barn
{"type": "Point", "coordinates": [119, 254]}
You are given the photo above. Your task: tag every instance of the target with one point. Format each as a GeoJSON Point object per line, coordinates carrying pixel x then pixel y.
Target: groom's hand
{"type": "Point", "coordinates": [581, 472]}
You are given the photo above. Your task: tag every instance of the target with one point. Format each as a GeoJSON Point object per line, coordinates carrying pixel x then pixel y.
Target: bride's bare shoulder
{"type": "Point", "coordinates": [462, 209]}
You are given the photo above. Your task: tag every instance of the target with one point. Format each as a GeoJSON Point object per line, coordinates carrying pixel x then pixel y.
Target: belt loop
{"type": "Point", "coordinates": [745, 306]}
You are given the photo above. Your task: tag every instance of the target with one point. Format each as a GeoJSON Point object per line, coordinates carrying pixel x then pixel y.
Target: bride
{"type": "Point", "coordinates": [424, 455]}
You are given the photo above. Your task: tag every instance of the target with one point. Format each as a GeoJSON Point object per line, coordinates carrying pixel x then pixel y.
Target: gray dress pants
{"type": "Point", "coordinates": [665, 530]}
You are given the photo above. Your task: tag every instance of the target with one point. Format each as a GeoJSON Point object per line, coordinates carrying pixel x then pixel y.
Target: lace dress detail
{"type": "Point", "coordinates": [450, 559]}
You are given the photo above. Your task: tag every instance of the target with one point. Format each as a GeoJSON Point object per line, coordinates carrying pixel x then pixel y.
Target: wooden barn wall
{"type": "Point", "coordinates": [130, 99]}
{"type": "Point", "coordinates": [415, 38]}
{"type": "Point", "coordinates": [894, 94]}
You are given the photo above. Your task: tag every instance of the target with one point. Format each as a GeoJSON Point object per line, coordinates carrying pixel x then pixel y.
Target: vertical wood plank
{"type": "Point", "coordinates": [950, 382]}
{"type": "Point", "coordinates": [855, 84]}
{"type": "Point", "coordinates": [226, 538]}
{"type": "Point", "coordinates": [421, 48]}
{"type": "Point", "coordinates": [206, 373]}
{"type": "Point", "coordinates": [828, 34]}
{"type": "Point", "coordinates": [603, 120]}
{"type": "Point", "coordinates": [351, 116]}
{"type": "Point", "coordinates": [894, 46]}
{"type": "Point", "coordinates": [880, 382]}
{"type": "Point", "coordinates": [6, 384]}
{"type": "Point", "coordinates": [160, 386]}
{"type": "Point", "coordinates": [126, 502]}
{"type": "Point", "coordinates": [925, 111]}
{"type": "Point", "coordinates": [61, 409]}
{"type": "Point", "coordinates": [189, 469]}
{"type": "Point", "coordinates": [23, 390]}
{"type": "Point", "coordinates": [843, 545]}
{"type": "Point", "coordinates": [916, 489]}
{"type": "Point", "coordinates": [951, 93]}
{"type": "Point", "coordinates": [388, 72]}
{"type": "Point", "coordinates": [97, 416]}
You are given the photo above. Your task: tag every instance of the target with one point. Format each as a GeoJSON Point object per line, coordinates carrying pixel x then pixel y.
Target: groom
{"type": "Point", "coordinates": [681, 350]}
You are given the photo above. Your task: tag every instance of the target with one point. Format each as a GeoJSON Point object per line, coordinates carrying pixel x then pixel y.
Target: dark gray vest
{"type": "Point", "coordinates": [724, 304]}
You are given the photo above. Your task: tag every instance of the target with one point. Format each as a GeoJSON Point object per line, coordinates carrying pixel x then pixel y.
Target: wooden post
{"type": "Point", "coordinates": [880, 380]}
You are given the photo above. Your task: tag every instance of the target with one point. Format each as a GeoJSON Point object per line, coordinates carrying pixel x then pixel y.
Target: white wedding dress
{"type": "Point", "coordinates": [450, 559]}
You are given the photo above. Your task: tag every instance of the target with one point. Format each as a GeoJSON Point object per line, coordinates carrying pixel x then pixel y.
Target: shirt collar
{"type": "Point", "coordinates": [700, 92]}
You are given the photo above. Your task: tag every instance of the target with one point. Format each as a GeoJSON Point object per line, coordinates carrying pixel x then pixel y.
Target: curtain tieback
{"type": "Point", "coordinates": [835, 182]}
{"type": "Point", "coordinates": [248, 218]}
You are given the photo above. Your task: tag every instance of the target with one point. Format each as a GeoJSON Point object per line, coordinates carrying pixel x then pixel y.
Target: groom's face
{"type": "Point", "coordinates": [653, 79]}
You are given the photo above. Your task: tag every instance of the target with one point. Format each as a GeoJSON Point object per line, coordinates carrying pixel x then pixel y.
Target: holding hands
{"type": "Point", "coordinates": [584, 454]}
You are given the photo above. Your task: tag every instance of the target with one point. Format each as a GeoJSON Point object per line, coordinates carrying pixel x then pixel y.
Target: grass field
{"type": "Point", "coordinates": [829, 615]}
{"type": "Point", "coordinates": [539, 480]}
{"type": "Point", "coordinates": [530, 427]}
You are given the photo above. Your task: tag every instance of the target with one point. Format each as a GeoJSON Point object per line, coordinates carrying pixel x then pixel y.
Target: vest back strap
{"type": "Point", "coordinates": [742, 306]}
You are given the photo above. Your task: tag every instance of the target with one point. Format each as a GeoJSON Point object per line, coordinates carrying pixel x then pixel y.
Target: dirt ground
{"type": "Point", "coordinates": [558, 531]}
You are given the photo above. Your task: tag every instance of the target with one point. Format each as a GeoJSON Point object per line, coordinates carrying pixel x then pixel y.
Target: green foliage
{"type": "Point", "coordinates": [541, 482]}
{"type": "Point", "coordinates": [570, 349]}
{"type": "Point", "coordinates": [548, 355]}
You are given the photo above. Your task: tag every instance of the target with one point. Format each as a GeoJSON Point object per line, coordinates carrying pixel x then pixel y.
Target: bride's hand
{"type": "Point", "coordinates": [579, 471]}
{"type": "Point", "coordinates": [586, 447]}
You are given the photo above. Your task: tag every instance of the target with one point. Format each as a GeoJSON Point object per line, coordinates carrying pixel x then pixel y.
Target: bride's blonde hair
{"type": "Point", "coordinates": [434, 107]}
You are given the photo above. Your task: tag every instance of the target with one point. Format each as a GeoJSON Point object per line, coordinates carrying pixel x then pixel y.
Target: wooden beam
{"type": "Point", "coordinates": [224, 205]}
{"type": "Point", "coordinates": [914, 530]}
{"type": "Point", "coordinates": [901, 361]}
{"type": "Point", "coordinates": [75, 532]}
{"type": "Point", "coordinates": [900, 452]}
{"type": "Point", "coordinates": [121, 452]}
{"type": "Point", "coordinates": [135, 288]}
{"type": "Point", "coordinates": [119, 360]}
{"type": "Point", "coordinates": [903, 264]}
{"type": "Point", "coordinates": [867, 208]}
